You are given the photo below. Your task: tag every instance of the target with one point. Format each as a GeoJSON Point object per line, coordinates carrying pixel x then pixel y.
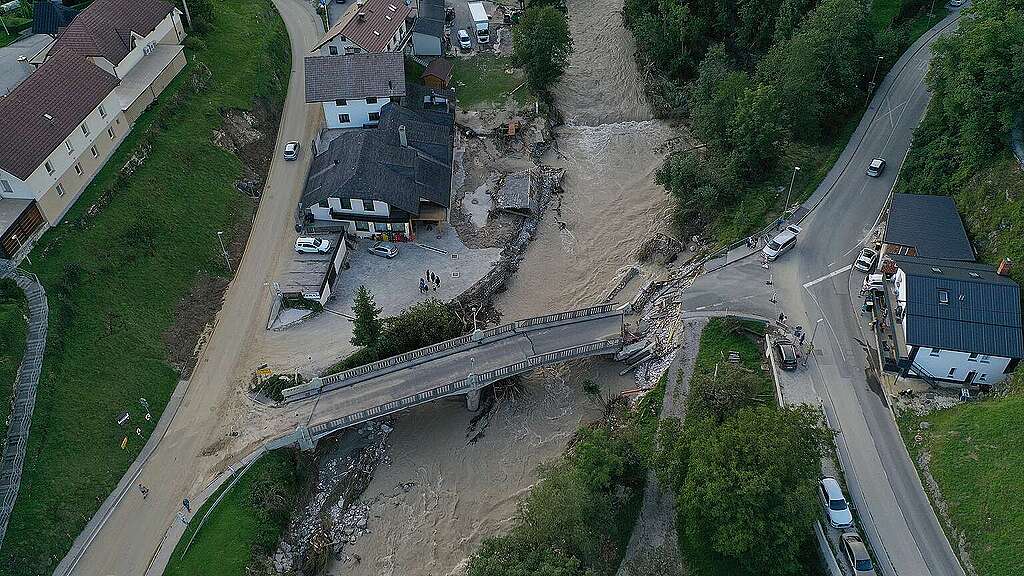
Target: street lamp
{"type": "Point", "coordinates": [220, 238]}
{"type": "Point", "coordinates": [813, 332]}
{"type": "Point", "coordinates": [790, 193]}
{"type": "Point", "coordinates": [871, 85]}
{"type": "Point", "coordinates": [475, 309]}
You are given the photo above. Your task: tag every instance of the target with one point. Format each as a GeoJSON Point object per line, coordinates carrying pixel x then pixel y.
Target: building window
{"type": "Point", "coordinates": [341, 102]}
{"type": "Point", "coordinates": [371, 100]}
{"type": "Point", "coordinates": [983, 376]}
{"type": "Point", "coordinates": [343, 118]}
{"type": "Point", "coordinates": [103, 111]}
{"type": "Point", "coordinates": [952, 371]}
{"type": "Point", "coordinates": [333, 50]}
{"type": "Point", "coordinates": [60, 189]}
{"type": "Point", "coordinates": [95, 154]}
{"type": "Point", "coordinates": [972, 358]}
{"type": "Point", "coordinates": [78, 169]}
{"type": "Point", "coordinates": [346, 203]}
{"type": "Point", "coordinates": [67, 144]}
{"type": "Point", "coordinates": [362, 226]}
{"type": "Point", "coordinates": [368, 205]}
{"type": "Point", "coordinates": [935, 352]}
{"type": "Point", "coordinates": [49, 168]}
{"type": "Point", "coordinates": [380, 227]}
{"type": "Point", "coordinates": [110, 132]}
{"type": "Point", "coordinates": [374, 116]}
{"type": "Point", "coordinates": [85, 128]}
{"type": "Point", "coordinates": [943, 296]}
{"type": "Point", "coordinates": [5, 187]}
{"type": "Point", "coordinates": [984, 358]}
{"type": "Point", "coordinates": [399, 227]}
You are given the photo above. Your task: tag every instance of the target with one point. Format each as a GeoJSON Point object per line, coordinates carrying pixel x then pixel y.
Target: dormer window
{"type": "Point", "coordinates": [943, 296]}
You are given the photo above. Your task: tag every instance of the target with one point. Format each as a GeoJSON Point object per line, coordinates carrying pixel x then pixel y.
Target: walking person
{"type": "Point", "coordinates": [423, 286]}
{"type": "Point", "coordinates": [187, 505]}
{"type": "Point", "coordinates": [802, 336]}
{"type": "Point", "coordinates": [143, 490]}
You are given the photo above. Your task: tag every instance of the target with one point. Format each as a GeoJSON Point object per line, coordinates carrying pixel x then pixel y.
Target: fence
{"type": "Point", "coordinates": [25, 385]}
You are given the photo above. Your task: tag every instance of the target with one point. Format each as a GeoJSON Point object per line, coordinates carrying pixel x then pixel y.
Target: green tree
{"type": "Point", "coordinates": [367, 325]}
{"type": "Point", "coordinates": [541, 46]}
{"type": "Point", "coordinates": [422, 324]}
{"type": "Point", "coordinates": [756, 131]}
{"type": "Point", "coordinates": [749, 488]}
{"type": "Point", "coordinates": [512, 556]}
{"type": "Point", "coordinates": [714, 97]}
{"type": "Point", "coordinates": [720, 395]}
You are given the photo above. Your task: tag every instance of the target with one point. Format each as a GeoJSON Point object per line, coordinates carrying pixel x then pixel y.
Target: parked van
{"type": "Point", "coordinates": [782, 242]}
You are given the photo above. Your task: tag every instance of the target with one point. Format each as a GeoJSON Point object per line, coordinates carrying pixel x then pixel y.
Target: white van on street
{"type": "Point", "coordinates": [782, 242]}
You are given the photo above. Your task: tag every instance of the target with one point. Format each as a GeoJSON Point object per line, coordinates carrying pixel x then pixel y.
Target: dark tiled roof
{"type": "Point", "coordinates": [383, 19]}
{"type": "Point", "coordinates": [48, 17]}
{"type": "Point", "coordinates": [425, 99]}
{"type": "Point", "coordinates": [430, 18]}
{"type": "Point", "coordinates": [105, 27]}
{"type": "Point", "coordinates": [65, 87]}
{"type": "Point", "coordinates": [363, 75]}
{"type": "Point", "coordinates": [930, 225]}
{"type": "Point", "coordinates": [373, 165]}
{"type": "Point", "coordinates": [439, 67]}
{"type": "Point", "coordinates": [982, 315]}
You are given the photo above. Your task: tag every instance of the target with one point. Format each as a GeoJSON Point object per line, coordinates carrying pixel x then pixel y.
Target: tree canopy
{"type": "Point", "coordinates": [541, 45]}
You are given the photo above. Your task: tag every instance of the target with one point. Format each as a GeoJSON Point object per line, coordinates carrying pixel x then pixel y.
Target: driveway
{"type": "Point", "coordinates": [815, 281]}
{"type": "Point", "coordinates": [12, 72]}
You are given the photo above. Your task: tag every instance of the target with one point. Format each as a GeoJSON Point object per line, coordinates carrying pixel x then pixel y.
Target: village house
{"type": "Point", "coordinates": [437, 74]}
{"type": "Point", "coordinates": [927, 226]}
{"type": "Point", "coordinates": [393, 179]}
{"type": "Point", "coordinates": [375, 26]}
{"type": "Point", "coordinates": [428, 36]}
{"type": "Point", "coordinates": [353, 88]}
{"type": "Point", "coordinates": [62, 123]}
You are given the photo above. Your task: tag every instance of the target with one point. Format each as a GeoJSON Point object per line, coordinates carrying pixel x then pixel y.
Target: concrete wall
{"type": "Point", "coordinates": [358, 111]}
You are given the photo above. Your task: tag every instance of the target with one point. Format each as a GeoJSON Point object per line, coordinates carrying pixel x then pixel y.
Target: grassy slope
{"type": "Point", "coordinates": [13, 309]}
{"type": "Point", "coordinates": [236, 530]}
{"type": "Point", "coordinates": [482, 80]}
{"type": "Point", "coordinates": [138, 257]}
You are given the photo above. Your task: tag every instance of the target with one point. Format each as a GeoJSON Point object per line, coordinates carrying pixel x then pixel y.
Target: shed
{"type": "Point", "coordinates": [438, 73]}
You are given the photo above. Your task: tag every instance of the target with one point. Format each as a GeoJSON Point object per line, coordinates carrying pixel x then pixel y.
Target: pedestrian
{"type": "Point", "coordinates": [782, 317]}
{"type": "Point", "coordinates": [802, 336]}
{"type": "Point", "coordinates": [188, 505]}
{"type": "Point", "coordinates": [437, 283]}
{"type": "Point", "coordinates": [143, 490]}
{"type": "Point", "coordinates": [423, 286]}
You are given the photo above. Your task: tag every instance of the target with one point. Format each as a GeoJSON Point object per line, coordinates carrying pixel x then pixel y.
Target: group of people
{"type": "Point", "coordinates": [431, 281]}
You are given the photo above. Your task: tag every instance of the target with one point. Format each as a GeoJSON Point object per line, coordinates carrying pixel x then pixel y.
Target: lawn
{"type": "Point", "coordinates": [723, 335]}
{"type": "Point", "coordinates": [117, 269]}
{"type": "Point", "coordinates": [13, 309]}
{"type": "Point", "coordinates": [977, 454]}
{"type": "Point", "coordinates": [14, 27]}
{"type": "Point", "coordinates": [484, 79]}
{"type": "Point", "coordinates": [241, 527]}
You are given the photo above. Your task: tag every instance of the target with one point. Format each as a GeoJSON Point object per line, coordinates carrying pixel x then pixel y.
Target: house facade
{"type": "Point", "coordinates": [353, 88]}
{"type": "Point", "coordinates": [375, 26]}
{"type": "Point", "coordinates": [60, 126]}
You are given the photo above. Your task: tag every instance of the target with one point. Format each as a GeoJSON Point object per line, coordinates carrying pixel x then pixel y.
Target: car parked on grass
{"type": "Point", "coordinates": [857, 555]}
{"type": "Point", "coordinates": [311, 245]}
{"type": "Point", "coordinates": [785, 354]}
{"type": "Point", "coordinates": [291, 150]}
{"type": "Point", "coordinates": [464, 41]}
{"type": "Point", "coordinates": [384, 250]}
{"type": "Point", "coordinates": [781, 243]}
{"type": "Point", "coordinates": [836, 508]}
{"type": "Point", "coordinates": [876, 167]}
{"type": "Point", "coordinates": [866, 260]}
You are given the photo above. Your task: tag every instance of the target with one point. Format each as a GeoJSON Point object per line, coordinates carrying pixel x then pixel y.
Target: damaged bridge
{"type": "Point", "coordinates": [461, 366]}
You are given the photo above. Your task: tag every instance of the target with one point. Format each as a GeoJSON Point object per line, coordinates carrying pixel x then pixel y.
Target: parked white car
{"type": "Point", "coordinates": [866, 260]}
{"type": "Point", "coordinates": [384, 250]}
{"type": "Point", "coordinates": [782, 242]}
{"type": "Point", "coordinates": [876, 167]}
{"type": "Point", "coordinates": [836, 508]}
{"type": "Point", "coordinates": [310, 245]}
{"type": "Point", "coordinates": [464, 41]}
{"type": "Point", "coordinates": [291, 150]}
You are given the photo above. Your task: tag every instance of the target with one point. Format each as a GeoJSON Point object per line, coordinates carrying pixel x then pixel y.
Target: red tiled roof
{"type": "Point", "coordinates": [105, 27]}
{"type": "Point", "coordinates": [372, 34]}
{"type": "Point", "coordinates": [46, 107]}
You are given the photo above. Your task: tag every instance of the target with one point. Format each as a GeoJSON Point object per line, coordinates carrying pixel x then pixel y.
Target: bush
{"type": "Point", "coordinates": [541, 46]}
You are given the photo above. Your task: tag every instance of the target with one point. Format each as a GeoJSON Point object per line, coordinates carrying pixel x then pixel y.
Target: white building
{"type": "Point", "coordinates": [956, 322]}
{"type": "Point", "coordinates": [375, 26]}
{"type": "Point", "coordinates": [353, 88]}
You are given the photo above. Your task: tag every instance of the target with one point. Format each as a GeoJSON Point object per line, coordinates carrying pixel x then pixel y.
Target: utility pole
{"type": "Point", "coordinates": [188, 17]}
{"type": "Point", "coordinates": [223, 250]}
{"type": "Point", "coordinates": [790, 193]}
{"type": "Point", "coordinates": [871, 85]}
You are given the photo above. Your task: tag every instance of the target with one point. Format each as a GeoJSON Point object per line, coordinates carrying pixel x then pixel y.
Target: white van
{"type": "Point", "coordinates": [782, 242]}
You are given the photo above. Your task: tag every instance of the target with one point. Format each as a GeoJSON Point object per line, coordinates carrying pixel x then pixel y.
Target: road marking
{"type": "Point", "coordinates": [827, 276]}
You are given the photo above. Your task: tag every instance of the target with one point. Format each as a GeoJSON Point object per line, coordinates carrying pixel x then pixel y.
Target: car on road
{"type": "Point", "coordinates": [384, 250]}
{"type": "Point", "coordinates": [291, 150]}
{"type": "Point", "coordinates": [866, 260]}
{"type": "Point", "coordinates": [836, 508]}
{"type": "Point", "coordinates": [785, 354]}
{"type": "Point", "coordinates": [874, 283]}
{"type": "Point", "coordinates": [956, 3]}
{"type": "Point", "coordinates": [311, 245]}
{"type": "Point", "coordinates": [876, 167]}
{"type": "Point", "coordinates": [857, 555]}
{"type": "Point", "coordinates": [464, 41]}
{"type": "Point", "coordinates": [781, 243]}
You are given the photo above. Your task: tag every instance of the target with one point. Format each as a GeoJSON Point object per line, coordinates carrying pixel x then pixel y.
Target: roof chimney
{"type": "Point", "coordinates": [1004, 267]}
{"type": "Point", "coordinates": [362, 16]}
{"type": "Point", "coordinates": [402, 139]}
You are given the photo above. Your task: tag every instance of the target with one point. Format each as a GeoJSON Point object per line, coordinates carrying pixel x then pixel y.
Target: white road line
{"type": "Point", "coordinates": [827, 276]}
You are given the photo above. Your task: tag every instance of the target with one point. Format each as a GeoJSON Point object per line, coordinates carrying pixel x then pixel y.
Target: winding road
{"type": "Point", "coordinates": [815, 281]}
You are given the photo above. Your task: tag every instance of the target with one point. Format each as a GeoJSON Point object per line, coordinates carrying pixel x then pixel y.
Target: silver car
{"type": "Point", "coordinates": [876, 167]}
{"type": "Point", "coordinates": [866, 260]}
{"type": "Point", "coordinates": [384, 250]}
{"type": "Point", "coordinates": [781, 243]}
{"type": "Point", "coordinates": [836, 508]}
{"type": "Point", "coordinates": [291, 150]}
{"type": "Point", "coordinates": [857, 555]}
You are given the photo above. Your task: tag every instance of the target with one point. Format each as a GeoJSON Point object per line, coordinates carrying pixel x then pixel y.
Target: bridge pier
{"type": "Point", "coordinates": [473, 399]}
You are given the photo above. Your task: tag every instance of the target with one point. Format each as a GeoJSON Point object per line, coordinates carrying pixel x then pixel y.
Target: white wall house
{"type": "Point", "coordinates": [376, 26]}
{"type": "Point", "coordinates": [354, 112]}
{"type": "Point", "coordinates": [959, 322]}
{"type": "Point", "coordinates": [354, 88]}
{"type": "Point", "coordinates": [360, 217]}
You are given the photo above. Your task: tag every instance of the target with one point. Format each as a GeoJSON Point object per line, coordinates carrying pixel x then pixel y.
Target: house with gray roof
{"type": "Point", "coordinates": [353, 88]}
{"type": "Point", "coordinates": [955, 322]}
{"type": "Point", "coordinates": [428, 34]}
{"type": "Point", "coordinates": [926, 226]}
{"type": "Point", "coordinates": [391, 179]}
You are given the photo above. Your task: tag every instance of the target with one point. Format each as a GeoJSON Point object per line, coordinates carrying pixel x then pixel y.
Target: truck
{"type": "Point", "coordinates": [480, 22]}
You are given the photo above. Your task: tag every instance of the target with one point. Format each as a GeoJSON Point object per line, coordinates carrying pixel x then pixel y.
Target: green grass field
{"type": "Point", "coordinates": [240, 527]}
{"type": "Point", "coordinates": [13, 310]}
{"type": "Point", "coordinates": [114, 279]}
{"type": "Point", "coordinates": [722, 335]}
{"type": "Point", "coordinates": [977, 455]}
{"type": "Point", "coordinates": [482, 80]}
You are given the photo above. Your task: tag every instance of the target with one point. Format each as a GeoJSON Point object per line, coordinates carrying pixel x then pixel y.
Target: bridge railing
{"type": "Point", "coordinates": [464, 385]}
{"type": "Point", "coordinates": [360, 373]}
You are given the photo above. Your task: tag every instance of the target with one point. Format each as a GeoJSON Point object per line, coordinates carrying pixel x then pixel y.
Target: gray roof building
{"type": "Point", "coordinates": [963, 306]}
{"type": "Point", "coordinates": [350, 76]}
{"type": "Point", "coordinates": [927, 226]}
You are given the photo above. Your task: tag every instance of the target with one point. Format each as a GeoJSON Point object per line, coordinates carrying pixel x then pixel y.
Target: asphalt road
{"type": "Point", "coordinates": [814, 281]}
{"type": "Point", "coordinates": [123, 538]}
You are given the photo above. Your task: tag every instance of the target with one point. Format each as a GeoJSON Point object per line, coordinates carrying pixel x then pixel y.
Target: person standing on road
{"type": "Point", "coordinates": [143, 490]}
{"type": "Point", "coordinates": [188, 505]}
